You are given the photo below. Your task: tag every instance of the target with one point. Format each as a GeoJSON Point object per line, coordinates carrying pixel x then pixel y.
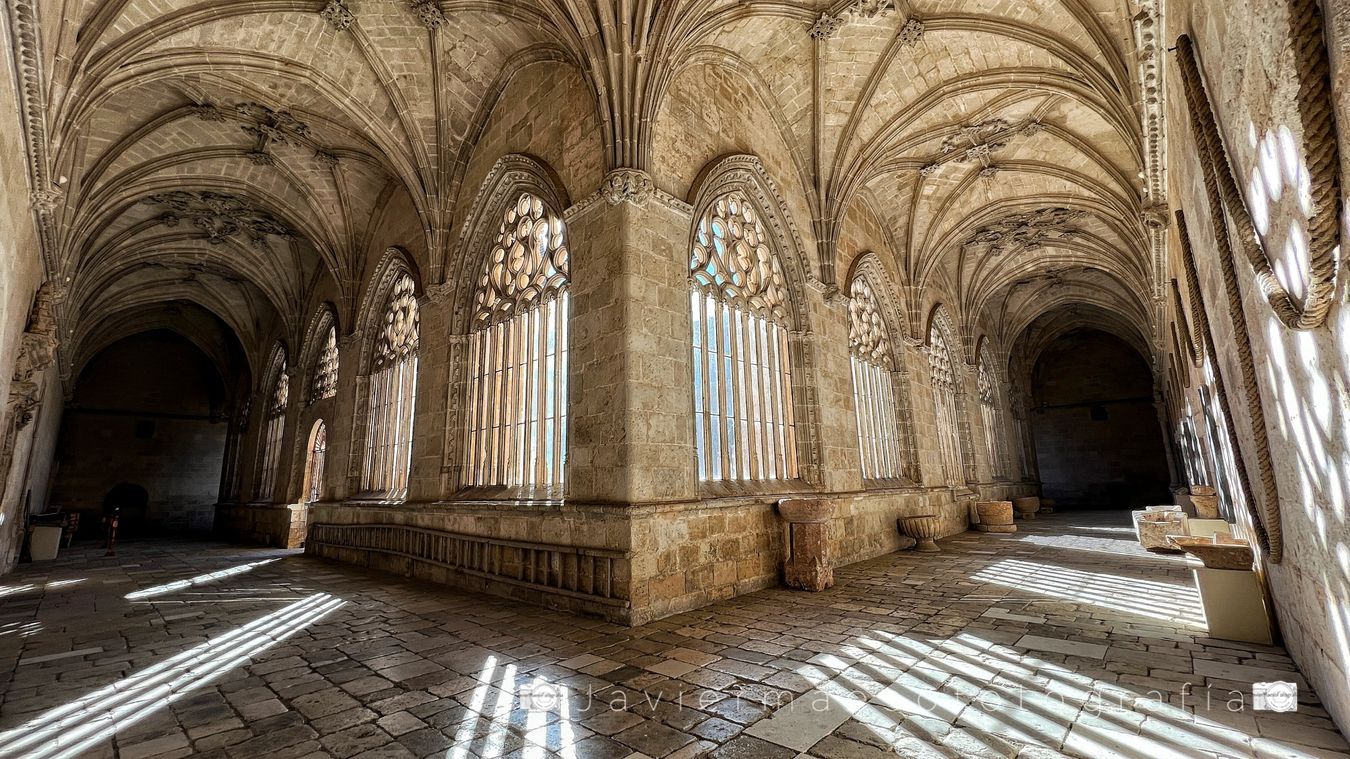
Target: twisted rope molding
{"type": "Point", "coordinates": [1267, 528]}
{"type": "Point", "coordinates": [1317, 111]}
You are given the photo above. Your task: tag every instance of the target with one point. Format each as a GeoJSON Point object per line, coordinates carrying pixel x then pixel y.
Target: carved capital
{"type": "Point", "coordinates": [912, 31]}
{"type": "Point", "coordinates": [337, 15]}
{"type": "Point", "coordinates": [429, 12]}
{"type": "Point", "coordinates": [825, 27]}
{"type": "Point", "coordinates": [36, 354]}
{"type": "Point", "coordinates": [352, 338]}
{"type": "Point", "coordinates": [628, 186]}
{"type": "Point", "coordinates": [439, 293]}
{"type": "Point", "coordinates": [1155, 215]}
{"type": "Point", "coordinates": [873, 8]}
{"type": "Point", "coordinates": [22, 403]}
{"type": "Point", "coordinates": [44, 199]}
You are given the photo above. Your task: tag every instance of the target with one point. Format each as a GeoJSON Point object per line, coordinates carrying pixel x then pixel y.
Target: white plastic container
{"type": "Point", "coordinates": [46, 541]}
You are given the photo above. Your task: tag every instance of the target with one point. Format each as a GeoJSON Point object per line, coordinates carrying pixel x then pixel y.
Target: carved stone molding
{"type": "Point", "coordinates": [978, 142]}
{"type": "Point", "coordinates": [268, 127]}
{"type": "Point", "coordinates": [337, 15]}
{"type": "Point", "coordinates": [208, 112]}
{"type": "Point", "coordinates": [1026, 231]}
{"type": "Point", "coordinates": [628, 186]}
{"type": "Point", "coordinates": [37, 353]}
{"type": "Point", "coordinates": [220, 216]}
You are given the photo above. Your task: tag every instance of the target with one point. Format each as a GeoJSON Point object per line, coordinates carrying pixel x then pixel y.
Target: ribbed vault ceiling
{"type": "Point", "coordinates": [230, 156]}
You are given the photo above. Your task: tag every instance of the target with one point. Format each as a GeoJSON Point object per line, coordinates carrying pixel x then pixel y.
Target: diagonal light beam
{"type": "Point", "coordinates": [70, 729]}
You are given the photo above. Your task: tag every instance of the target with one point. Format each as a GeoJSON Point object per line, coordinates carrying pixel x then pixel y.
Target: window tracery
{"type": "Point", "coordinates": [942, 375]}
{"type": "Point", "coordinates": [744, 426]}
{"type": "Point", "coordinates": [278, 397]}
{"type": "Point", "coordinates": [873, 389]}
{"type": "Point", "coordinates": [518, 354]}
{"type": "Point", "coordinates": [991, 413]}
{"type": "Point", "coordinates": [393, 387]}
{"type": "Point", "coordinates": [324, 382]}
{"type": "Point", "coordinates": [318, 453]}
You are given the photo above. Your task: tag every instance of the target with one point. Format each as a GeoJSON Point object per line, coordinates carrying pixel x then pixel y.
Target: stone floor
{"type": "Point", "coordinates": [1064, 639]}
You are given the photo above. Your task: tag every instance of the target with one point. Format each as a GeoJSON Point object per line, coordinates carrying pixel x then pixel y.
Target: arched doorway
{"type": "Point", "coordinates": [317, 451]}
{"type": "Point", "coordinates": [1094, 426]}
{"type": "Point", "coordinates": [131, 503]}
{"type": "Point", "coordinates": [144, 431]}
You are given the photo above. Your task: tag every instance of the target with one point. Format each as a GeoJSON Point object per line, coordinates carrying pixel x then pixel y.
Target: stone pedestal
{"type": "Point", "coordinates": [1235, 606]}
{"type": "Point", "coordinates": [995, 516]}
{"type": "Point", "coordinates": [1027, 507]}
{"type": "Point", "coordinates": [807, 565]}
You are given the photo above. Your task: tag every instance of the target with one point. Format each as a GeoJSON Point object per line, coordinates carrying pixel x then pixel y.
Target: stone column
{"type": "Point", "coordinates": [437, 356]}
{"type": "Point", "coordinates": [346, 436]}
{"type": "Point", "coordinates": [840, 457]}
{"type": "Point", "coordinates": [807, 565]}
{"type": "Point", "coordinates": [1169, 445]}
{"type": "Point", "coordinates": [630, 407]}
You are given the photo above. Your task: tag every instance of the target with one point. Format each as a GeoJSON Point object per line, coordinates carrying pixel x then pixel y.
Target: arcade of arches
{"type": "Point", "coordinates": [556, 300]}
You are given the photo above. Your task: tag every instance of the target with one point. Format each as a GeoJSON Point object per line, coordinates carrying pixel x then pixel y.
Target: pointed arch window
{"type": "Point", "coordinates": [393, 388]}
{"type": "Point", "coordinates": [742, 377]}
{"type": "Point", "coordinates": [323, 382]}
{"type": "Point", "coordinates": [265, 487]}
{"type": "Point", "coordinates": [942, 374]}
{"type": "Point", "coordinates": [518, 347]}
{"type": "Point", "coordinates": [991, 413]}
{"type": "Point", "coordinates": [314, 465]}
{"type": "Point", "coordinates": [233, 471]}
{"type": "Point", "coordinates": [872, 359]}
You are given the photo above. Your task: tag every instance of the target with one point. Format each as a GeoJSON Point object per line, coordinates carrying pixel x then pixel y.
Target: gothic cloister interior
{"type": "Point", "coordinates": [623, 378]}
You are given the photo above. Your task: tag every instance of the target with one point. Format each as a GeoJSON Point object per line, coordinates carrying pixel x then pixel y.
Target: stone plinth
{"type": "Point", "coordinates": [807, 564]}
{"type": "Point", "coordinates": [995, 516]}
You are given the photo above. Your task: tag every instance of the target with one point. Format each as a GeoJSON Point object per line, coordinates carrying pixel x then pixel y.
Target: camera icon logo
{"type": "Point", "coordinates": [1275, 696]}
{"type": "Point", "coordinates": [540, 696]}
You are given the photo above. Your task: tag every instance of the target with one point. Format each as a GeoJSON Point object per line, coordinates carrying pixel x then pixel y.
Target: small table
{"type": "Point", "coordinates": [1235, 605]}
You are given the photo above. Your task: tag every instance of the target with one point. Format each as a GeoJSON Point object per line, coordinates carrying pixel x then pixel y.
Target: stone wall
{"type": "Point", "coordinates": [1302, 376]}
{"type": "Point", "coordinates": [664, 558]}
{"type": "Point", "coordinates": [24, 453]}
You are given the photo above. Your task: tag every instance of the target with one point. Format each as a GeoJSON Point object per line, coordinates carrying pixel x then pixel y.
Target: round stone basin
{"type": "Point", "coordinates": [1216, 552]}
